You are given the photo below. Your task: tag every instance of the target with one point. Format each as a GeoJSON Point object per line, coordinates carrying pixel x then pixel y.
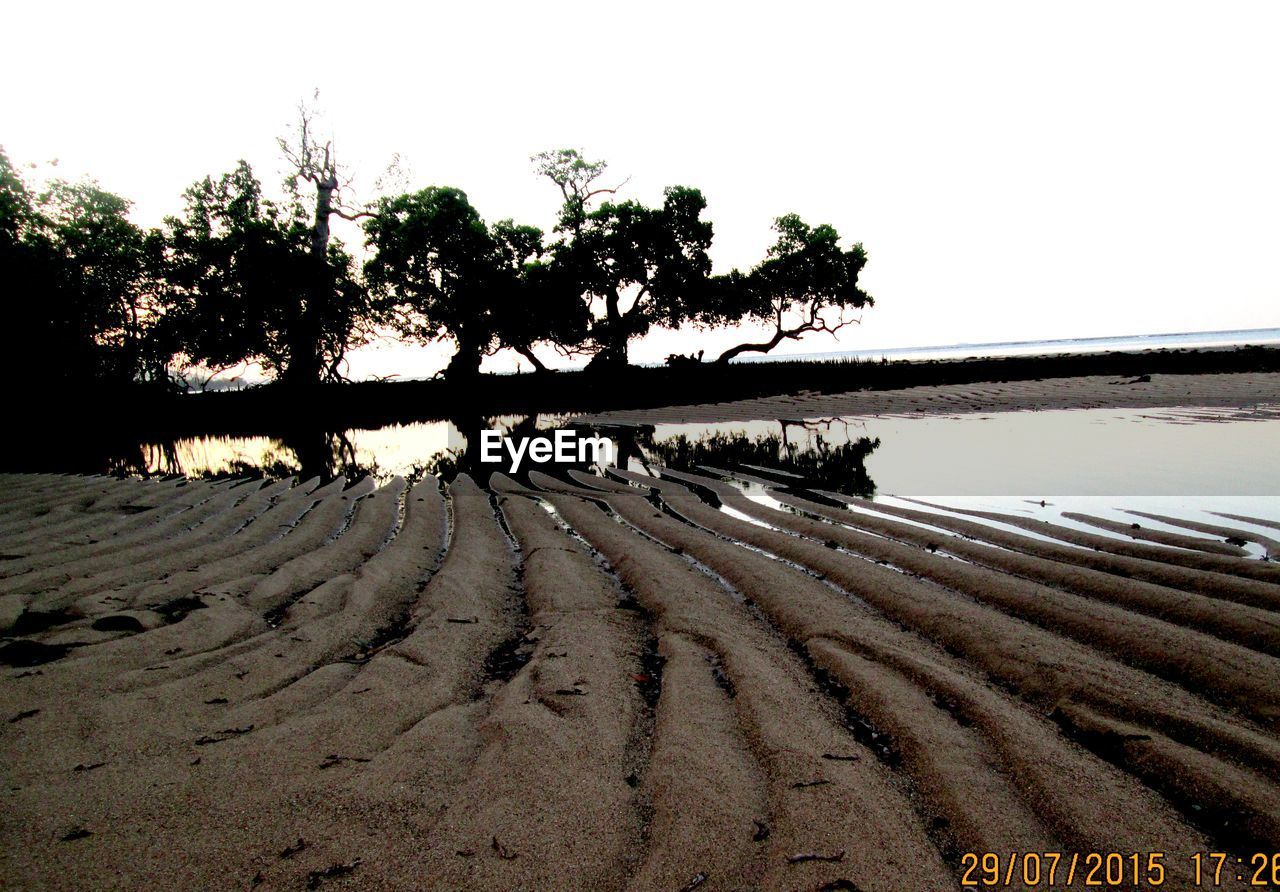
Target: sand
{"type": "Point", "coordinates": [591, 683]}
{"type": "Point", "coordinates": [1234, 390]}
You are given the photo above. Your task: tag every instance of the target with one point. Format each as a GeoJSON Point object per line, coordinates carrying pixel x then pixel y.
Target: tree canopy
{"type": "Point", "coordinates": [239, 283]}
{"type": "Point", "coordinates": [795, 289]}
{"type": "Point", "coordinates": [76, 278]}
{"type": "Point", "coordinates": [632, 266]}
{"type": "Point", "coordinates": [636, 267]}
{"type": "Point", "coordinates": [239, 277]}
{"type": "Point", "coordinates": [442, 272]}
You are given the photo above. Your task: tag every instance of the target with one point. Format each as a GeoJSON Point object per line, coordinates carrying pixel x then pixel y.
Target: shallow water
{"type": "Point", "coordinates": [1219, 511]}
{"type": "Point", "coordinates": [1193, 340]}
{"type": "Point", "coordinates": [1010, 459]}
{"type": "Point", "coordinates": [1078, 452]}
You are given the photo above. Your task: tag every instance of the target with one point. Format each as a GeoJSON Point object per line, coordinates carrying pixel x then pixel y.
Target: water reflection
{"type": "Point", "coordinates": [445, 448]}
{"type": "Point", "coordinates": [1056, 452]}
{"type": "Point", "coordinates": [451, 446]}
{"type": "Point", "coordinates": [811, 461]}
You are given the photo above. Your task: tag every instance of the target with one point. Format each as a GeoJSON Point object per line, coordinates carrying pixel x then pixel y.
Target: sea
{"type": "Point", "coordinates": [1183, 340]}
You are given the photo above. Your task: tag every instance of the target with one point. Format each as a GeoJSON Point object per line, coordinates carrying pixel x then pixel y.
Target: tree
{"type": "Point", "coordinates": [75, 266]}
{"type": "Point", "coordinates": [431, 266]}
{"type": "Point", "coordinates": [16, 211]}
{"type": "Point", "coordinates": [25, 261]}
{"type": "Point", "coordinates": [633, 266]}
{"type": "Point", "coordinates": [534, 303]}
{"type": "Point", "coordinates": [576, 178]}
{"type": "Point", "coordinates": [805, 275]}
{"type": "Point", "coordinates": [241, 283]}
{"type": "Point", "coordinates": [441, 272]}
{"type": "Point", "coordinates": [314, 353]}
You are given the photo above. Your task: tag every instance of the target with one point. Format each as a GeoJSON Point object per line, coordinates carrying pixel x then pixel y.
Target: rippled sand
{"type": "Point", "coordinates": [636, 682]}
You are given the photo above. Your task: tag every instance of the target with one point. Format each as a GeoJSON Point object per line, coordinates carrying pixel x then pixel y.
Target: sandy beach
{"type": "Point", "coordinates": [1241, 391]}
{"type": "Point", "coordinates": [627, 682]}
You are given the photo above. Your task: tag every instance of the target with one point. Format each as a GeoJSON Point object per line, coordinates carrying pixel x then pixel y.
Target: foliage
{"type": "Point", "coordinates": [77, 279]}
{"type": "Point", "coordinates": [240, 280]}
{"type": "Point", "coordinates": [805, 275]}
{"type": "Point", "coordinates": [442, 272]}
{"type": "Point", "coordinates": [576, 177]}
{"type": "Point", "coordinates": [631, 265]}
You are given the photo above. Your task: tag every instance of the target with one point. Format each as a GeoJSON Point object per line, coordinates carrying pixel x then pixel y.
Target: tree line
{"type": "Point", "coordinates": [240, 277]}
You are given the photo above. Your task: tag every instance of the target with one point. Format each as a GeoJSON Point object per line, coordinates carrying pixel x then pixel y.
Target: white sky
{"type": "Point", "coordinates": [1016, 170]}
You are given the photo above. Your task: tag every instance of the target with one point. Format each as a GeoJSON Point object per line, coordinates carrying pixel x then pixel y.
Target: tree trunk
{"type": "Point", "coordinates": [613, 340]}
{"type": "Point", "coordinates": [306, 365]}
{"type": "Point", "coordinates": [527, 353]}
{"type": "Point", "coordinates": [763, 347]}
{"type": "Point", "coordinates": [465, 364]}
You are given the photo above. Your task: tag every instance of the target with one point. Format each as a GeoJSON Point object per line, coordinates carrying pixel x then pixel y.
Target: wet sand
{"type": "Point", "coordinates": [624, 683]}
{"type": "Point", "coordinates": [1231, 390]}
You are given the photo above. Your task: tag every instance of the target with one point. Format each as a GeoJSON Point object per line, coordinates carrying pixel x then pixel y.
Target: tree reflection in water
{"type": "Point", "coordinates": [820, 463]}
{"type": "Point", "coordinates": [466, 460]}
{"type": "Point", "coordinates": [301, 453]}
{"type": "Point", "coordinates": [806, 449]}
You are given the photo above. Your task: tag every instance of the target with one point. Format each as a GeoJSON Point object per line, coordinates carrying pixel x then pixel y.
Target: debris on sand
{"type": "Point", "coordinates": [77, 833]}
{"type": "Point", "coordinates": [224, 734]}
{"type": "Point", "coordinates": [317, 877]}
{"type": "Point", "coordinates": [25, 714]}
{"type": "Point", "coordinates": [334, 759]}
{"type": "Point", "coordinates": [290, 851]}
{"type": "Point", "coordinates": [802, 857]}
{"type": "Point", "coordinates": [177, 609]}
{"type": "Point", "coordinates": [508, 658]}
{"type": "Point", "coordinates": [697, 880]}
{"type": "Point", "coordinates": [503, 852]}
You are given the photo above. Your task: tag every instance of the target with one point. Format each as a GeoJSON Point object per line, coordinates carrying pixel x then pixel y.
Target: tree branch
{"type": "Point", "coordinates": [814, 323]}
{"type": "Point", "coordinates": [592, 194]}
{"type": "Point", "coordinates": [351, 215]}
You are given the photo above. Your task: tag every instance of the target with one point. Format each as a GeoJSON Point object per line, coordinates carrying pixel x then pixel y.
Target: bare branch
{"type": "Point", "coordinates": [351, 215]}
{"type": "Point", "coordinates": [592, 194]}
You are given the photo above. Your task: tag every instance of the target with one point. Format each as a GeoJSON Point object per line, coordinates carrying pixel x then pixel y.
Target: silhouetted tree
{"type": "Point", "coordinates": [15, 206]}
{"type": "Point", "coordinates": [76, 273]}
{"type": "Point", "coordinates": [633, 266]}
{"type": "Point", "coordinates": [241, 283]}
{"type": "Point", "coordinates": [317, 188]}
{"type": "Point", "coordinates": [576, 178]}
{"type": "Point", "coordinates": [445, 274]}
{"type": "Point", "coordinates": [25, 261]}
{"type": "Point", "coordinates": [535, 304]}
{"type": "Point", "coordinates": [805, 276]}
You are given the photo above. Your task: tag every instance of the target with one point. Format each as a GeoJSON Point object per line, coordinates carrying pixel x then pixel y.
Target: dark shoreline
{"type": "Point", "coordinates": [270, 409]}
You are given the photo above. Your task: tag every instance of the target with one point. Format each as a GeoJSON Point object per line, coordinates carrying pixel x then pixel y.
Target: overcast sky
{"type": "Point", "coordinates": [1015, 170]}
